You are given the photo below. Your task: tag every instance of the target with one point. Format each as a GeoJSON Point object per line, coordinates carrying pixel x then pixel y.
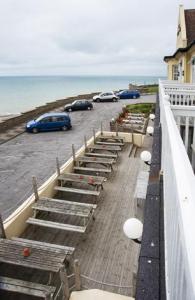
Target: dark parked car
{"type": "Point", "coordinates": [79, 105]}
{"type": "Point", "coordinates": [48, 122]}
{"type": "Point", "coordinates": [127, 94]}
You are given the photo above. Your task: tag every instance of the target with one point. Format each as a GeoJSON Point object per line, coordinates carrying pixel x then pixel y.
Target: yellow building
{"type": "Point", "coordinates": [181, 65]}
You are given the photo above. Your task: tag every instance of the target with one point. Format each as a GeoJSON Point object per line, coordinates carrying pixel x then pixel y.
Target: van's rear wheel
{"type": "Point", "coordinates": [64, 128]}
{"type": "Point", "coordinates": [35, 130]}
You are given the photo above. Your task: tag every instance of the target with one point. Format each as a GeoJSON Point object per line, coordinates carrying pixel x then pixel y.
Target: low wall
{"type": "Point", "coordinates": [31, 114]}
{"type": "Point", "coordinates": [15, 224]}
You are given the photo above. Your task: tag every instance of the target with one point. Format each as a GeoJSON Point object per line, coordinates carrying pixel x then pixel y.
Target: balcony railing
{"type": "Point", "coordinates": [179, 201]}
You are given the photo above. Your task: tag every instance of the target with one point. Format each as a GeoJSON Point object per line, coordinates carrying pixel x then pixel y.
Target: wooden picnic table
{"type": "Point", "coordinates": [59, 206]}
{"type": "Point", "coordinates": [105, 148]}
{"type": "Point", "coordinates": [11, 252]}
{"type": "Point", "coordinates": [108, 138]}
{"type": "Point", "coordinates": [64, 207]}
{"type": "Point", "coordinates": [41, 257]}
{"type": "Point", "coordinates": [95, 160]}
{"type": "Point", "coordinates": [96, 181]}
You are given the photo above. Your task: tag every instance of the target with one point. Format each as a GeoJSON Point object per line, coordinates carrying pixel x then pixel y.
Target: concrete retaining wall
{"type": "Point", "coordinates": [31, 114]}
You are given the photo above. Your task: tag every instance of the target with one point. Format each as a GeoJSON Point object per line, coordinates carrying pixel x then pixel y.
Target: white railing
{"type": "Point", "coordinates": [179, 208]}
{"type": "Point", "coordinates": [180, 94]}
{"type": "Point", "coordinates": [175, 85]}
{"type": "Point", "coordinates": [183, 97]}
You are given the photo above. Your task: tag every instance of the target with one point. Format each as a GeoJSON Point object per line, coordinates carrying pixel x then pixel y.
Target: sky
{"type": "Point", "coordinates": [87, 37]}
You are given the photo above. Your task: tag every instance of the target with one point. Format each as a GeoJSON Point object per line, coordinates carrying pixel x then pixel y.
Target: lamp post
{"type": "Point", "coordinates": [146, 157]}
{"type": "Point", "coordinates": [133, 229]}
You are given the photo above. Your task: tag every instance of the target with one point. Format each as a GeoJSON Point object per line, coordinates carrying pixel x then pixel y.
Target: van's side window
{"type": "Point", "coordinates": [46, 120]}
{"type": "Point", "coordinates": [57, 119]}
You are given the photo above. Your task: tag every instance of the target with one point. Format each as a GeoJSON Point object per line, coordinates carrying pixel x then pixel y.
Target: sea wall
{"type": "Point", "coordinates": [31, 114]}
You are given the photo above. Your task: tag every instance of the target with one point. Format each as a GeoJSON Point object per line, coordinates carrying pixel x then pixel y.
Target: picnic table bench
{"type": "Point", "coordinates": [108, 138]}
{"type": "Point", "coordinates": [27, 288]}
{"type": "Point", "coordinates": [96, 154]}
{"type": "Point", "coordinates": [110, 143]}
{"type": "Point", "coordinates": [111, 148]}
{"type": "Point", "coordinates": [56, 225]}
{"type": "Point", "coordinates": [77, 191]}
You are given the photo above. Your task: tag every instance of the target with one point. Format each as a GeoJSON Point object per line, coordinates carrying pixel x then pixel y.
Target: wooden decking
{"type": "Point", "coordinates": [106, 256]}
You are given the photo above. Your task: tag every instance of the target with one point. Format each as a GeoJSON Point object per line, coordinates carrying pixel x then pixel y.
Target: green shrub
{"type": "Point", "coordinates": [144, 108]}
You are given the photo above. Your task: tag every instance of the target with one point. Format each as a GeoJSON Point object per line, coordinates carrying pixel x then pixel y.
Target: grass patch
{"type": "Point", "coordinates": [152, 89]}
{"type": "Point", "coordinates": [144, 108]}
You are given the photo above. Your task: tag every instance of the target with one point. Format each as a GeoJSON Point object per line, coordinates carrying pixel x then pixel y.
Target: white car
{"type": "Point", "coordinates": [103, 97]}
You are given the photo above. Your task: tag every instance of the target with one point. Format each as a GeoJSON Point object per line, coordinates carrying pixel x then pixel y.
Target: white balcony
{"type": "Point", "coordinates": [179, 188]}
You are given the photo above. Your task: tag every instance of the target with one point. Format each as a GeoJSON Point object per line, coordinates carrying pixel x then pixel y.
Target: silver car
{"type": "Point", "coordinates": [103, 97]}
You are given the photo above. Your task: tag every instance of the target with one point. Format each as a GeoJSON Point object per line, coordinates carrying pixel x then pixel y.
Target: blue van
{"type": "Point", "coordinates": [48, 122]}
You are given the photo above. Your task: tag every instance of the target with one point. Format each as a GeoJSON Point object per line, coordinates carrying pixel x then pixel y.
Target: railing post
{"type": "Point", "coordinates": [35, 188]}
{"type": "Point", "coordinates": [64, 283]}
{"type": "Point", "coordinates": [2, 233]}
{"type": "Point", "coordinates": [94, 136]}
{"type": "Point", "coordinates": [77, 275]}
{"type": "Point", "coordinates": [132, 134]}
{"type": "Point", "coordinates": [57, 166]}
{"type": "Point", "coordinates": [73, 154]}
{"type": "Point", "coordinates": [116, 129]}
{"type": "Point", "coordinates": [85, 142]}
{"type": "Point", "coordinates": [101, 128]}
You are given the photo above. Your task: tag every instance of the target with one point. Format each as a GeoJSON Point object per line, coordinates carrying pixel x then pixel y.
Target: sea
{"type": "Point", "coordinates": [21, 93]}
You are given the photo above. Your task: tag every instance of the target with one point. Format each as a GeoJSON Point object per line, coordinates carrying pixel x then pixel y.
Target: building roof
{"type": "Point", "coordinates": [180, 50]}
{"type": "Point", "coordinates": [190, 25]}
{"type": "Point", "coordinates": [190, 33]}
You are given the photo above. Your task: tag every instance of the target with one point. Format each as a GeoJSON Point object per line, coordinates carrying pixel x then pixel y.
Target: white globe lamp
{"type": "Point", "coordinates": [152, 117]}
{"type": "Point", "coordinates": [133, 229]}
{"type": "Point", "coordinates": [150, 130]}
{"type": "Point", "coordinates": [146, 157]}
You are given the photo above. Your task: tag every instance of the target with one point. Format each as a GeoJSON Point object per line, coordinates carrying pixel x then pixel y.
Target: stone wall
{"type": "Point", "coordinates": [32, 114]}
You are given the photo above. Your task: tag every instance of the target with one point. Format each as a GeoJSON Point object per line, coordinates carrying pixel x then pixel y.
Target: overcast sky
{"type": "Point", "coordinates": [100, 37]}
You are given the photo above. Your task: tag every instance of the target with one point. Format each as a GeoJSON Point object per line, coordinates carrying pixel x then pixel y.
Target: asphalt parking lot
{"type": "Point", "coordinates": [30, 155]}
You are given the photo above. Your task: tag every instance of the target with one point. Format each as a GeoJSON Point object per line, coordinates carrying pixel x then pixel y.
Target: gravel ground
{"type": "Point", "coordinates": [34, 154]}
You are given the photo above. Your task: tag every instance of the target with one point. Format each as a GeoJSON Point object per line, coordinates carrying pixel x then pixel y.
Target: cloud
{"type": "Point", "coordinates": [87, 37]}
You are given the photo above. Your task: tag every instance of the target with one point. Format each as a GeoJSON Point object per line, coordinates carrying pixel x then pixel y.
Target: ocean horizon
{"type": "Point", "coordinates": [21, 93]}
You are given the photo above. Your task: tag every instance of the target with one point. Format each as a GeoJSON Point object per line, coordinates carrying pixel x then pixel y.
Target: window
{"type": "Point", "coordinates": [193, 70]}
{"type": "Point", "coordinates": [175, 72]}
{"type": "Point", "coordinates": [57, 119]}
{"type": "Point", "coordinates": [46, 120]}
